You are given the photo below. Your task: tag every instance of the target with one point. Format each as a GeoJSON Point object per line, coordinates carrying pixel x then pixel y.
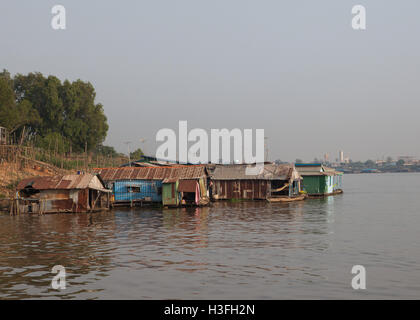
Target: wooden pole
{"type": "Point", "coordinates": [86, 158]}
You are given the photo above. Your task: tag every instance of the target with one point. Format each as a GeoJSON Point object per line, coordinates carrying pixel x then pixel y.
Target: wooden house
{"type": "Point", "coordinates": [167, 185]}
{"type": "Point", "coordinates": [266, 181]}
{"type": "Point", "coordinates": [67, 193]}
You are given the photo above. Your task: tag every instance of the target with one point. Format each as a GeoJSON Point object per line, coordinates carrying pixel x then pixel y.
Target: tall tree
{"type": "Point", "coordinates": [47, 108]}
{"type": "Point", "coordinates": [14, 115]}
{"type": "Point", "coordinates": [136, 155]}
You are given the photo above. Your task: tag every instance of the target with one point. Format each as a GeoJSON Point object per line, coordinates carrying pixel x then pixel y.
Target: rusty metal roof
{"type": "Point", "coordinates": [151, 173]}
{"type": "Point", "coordinates": [269, 171]}
{"type": "Point", "coordinates": [74, 181]}
{"type": "Point", "coordinates": [187, 185]}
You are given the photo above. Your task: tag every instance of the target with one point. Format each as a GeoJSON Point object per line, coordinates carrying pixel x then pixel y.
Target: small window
{"type": "Point", "coordinates": [133, 189]}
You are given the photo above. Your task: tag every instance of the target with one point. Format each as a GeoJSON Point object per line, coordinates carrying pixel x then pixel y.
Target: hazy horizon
{"type": "Point", "coordinates": [295, 69]}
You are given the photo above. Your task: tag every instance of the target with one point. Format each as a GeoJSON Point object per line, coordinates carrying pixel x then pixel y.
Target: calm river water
{"type": "Point", "coordinates": [243, 250]}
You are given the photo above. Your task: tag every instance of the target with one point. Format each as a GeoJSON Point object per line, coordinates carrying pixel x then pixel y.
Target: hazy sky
{"type": "Point", "coordinates": [294, 68]}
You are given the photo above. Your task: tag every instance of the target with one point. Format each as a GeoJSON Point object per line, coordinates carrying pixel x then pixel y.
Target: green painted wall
{"type": "Point", "coordinates": [315, 184]}
{"type": "Point", "coordinates": [170, 194]}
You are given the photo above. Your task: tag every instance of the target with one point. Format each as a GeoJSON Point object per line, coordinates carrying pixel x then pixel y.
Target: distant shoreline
{"type": "Point", "coordinates": [379, 172]}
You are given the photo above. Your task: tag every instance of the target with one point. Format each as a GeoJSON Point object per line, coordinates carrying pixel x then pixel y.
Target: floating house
{"type": "Point", "coordinates": [191, 192]}
{"type": "Point", "coordinates": [268, 181]}
{"type": "Point", "coordinates": [167, 185]}
{"type": "Point", "coordinates": [68, 193]}
{"type": "Point", "coordinates": [319, 180]}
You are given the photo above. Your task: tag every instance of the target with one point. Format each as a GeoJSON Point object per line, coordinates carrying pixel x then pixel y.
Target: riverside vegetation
{"type": "Point", "coordinates": [53, 127]}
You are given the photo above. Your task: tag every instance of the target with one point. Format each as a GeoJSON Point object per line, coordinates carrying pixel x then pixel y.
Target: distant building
{"type": "Point", "coordinates": [380, 162]}
{"type": "Point", "coordinates": [341, 156]}
{"type": "Point", "coordinates": [407, 159]}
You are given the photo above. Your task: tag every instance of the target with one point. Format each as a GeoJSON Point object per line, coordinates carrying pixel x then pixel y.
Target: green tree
{"type": "Point", "coordinates": [15, 115]}
{"type": "Point", "coordinates": [85, 121]}
{"type": "Point", "coordinates": [136, 155]}
{"type": "Point", "coordinates": [54, 142]}
{"type": "Point", "coordinates": [107, 151]}
{"type": "Point", "coordinates": [67, 108]}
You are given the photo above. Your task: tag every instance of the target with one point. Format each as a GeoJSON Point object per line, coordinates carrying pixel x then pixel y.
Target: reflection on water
{"type": "Point", "coordinates": [32, 245]}
{"type": "Point", "coordinates": [229, 250]}
{"type": "Point", "coordinates": [182, 240]}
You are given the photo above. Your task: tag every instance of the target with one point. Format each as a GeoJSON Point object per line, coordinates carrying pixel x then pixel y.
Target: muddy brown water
{"type": "Point", "coordinates": [241, 250]}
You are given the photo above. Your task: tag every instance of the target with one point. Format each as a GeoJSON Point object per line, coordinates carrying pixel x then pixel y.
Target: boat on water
{"type": "Point", "coordinates": [320, 195]}
{"type": "Point", "coordinates": [287, 199]}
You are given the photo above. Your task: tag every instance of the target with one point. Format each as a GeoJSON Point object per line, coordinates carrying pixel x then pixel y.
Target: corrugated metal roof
{"type": "Point", "coordinates": [317, 170]}
{"type": "Point", "coordinates": [187, 185]}
{"type": "Point", "coordinates": [309, 168]}
{"type": "Point", "coordinates": [269, 171]}
{"type": "Point", "coordinates": [73, 181]}
{"type": "Point", "coordinates": [151, 173]}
